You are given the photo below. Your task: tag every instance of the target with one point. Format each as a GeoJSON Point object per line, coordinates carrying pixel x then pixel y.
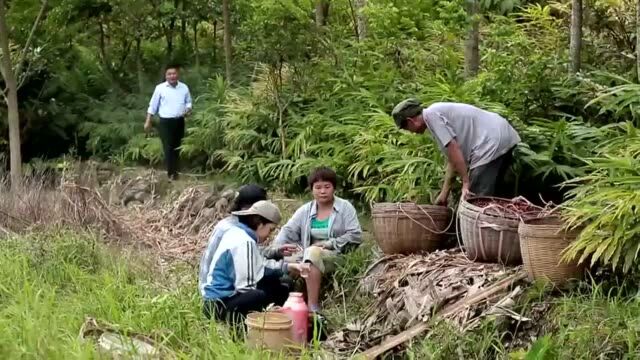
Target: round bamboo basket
{"type": "Point", "coordinates": [405, 228]}
{"type": "Point", "coordinates": [489, 238]}
{"type": "Point", "coordinates": [542, 242]}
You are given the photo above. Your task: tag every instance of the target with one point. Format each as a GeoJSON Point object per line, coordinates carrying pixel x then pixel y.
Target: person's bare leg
{"type": "Point", "coordinates": [313, 281]}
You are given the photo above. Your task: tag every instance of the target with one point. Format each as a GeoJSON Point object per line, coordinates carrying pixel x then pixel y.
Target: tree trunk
{"type": "Point", "coordinates": [361, 19]}
{"type": "Point", "coordinates": [139, 69]}
{"type": "Point", "coordinates": [183, 33]}
{"type": "Point", "coordinates": [196, 49]}
{"type": "Point", "coordinates": [106, 62]}
{"type": "Point", "coordinates": [322, 12]}
{"type": "Point", "coordinates": [215, 41]}
{"type": "Point", "coordinates": [638, 39]}
{"type": "Point", "coordinates": [12, 102]}
{"type": "Point", "coordinates": [472, 43]}
{"type": "Point", "coordinates": [125, 55]}
{"type": "Point", "coordinates": [105, 57]}
{"type": "Point", "coordinates": [575, 45]}
{"type": "Point", "coordinates": [169, 36]}
{"type": "Point", "coordinates": [183, 26]}
{"type": "Point", "coordinates": [226, 17]}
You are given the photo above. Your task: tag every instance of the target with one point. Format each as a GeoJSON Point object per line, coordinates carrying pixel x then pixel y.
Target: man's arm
{"type": "Point", "coordinates": [445, 135]}
{"type": "Point", "coordinates": [154, 104]}
{"type": "Point", "coordinates": [456, 160]}
{"type": "Point", "coordinates": [449, 176]}
{"type": "Point", "coordinates": [188, 102]}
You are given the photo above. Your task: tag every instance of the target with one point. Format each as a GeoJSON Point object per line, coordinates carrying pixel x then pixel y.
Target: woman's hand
{"type": "Point", "coordinates": [293, 268]}
{"type": "Point", "coordinates": [299, 269]}
{"type": "Point", "coordinates": [326, 244]}
{"type": "Point", "coordinates": [288, 249]}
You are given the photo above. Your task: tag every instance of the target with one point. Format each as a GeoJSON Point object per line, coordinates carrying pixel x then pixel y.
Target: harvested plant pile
{"type": "Point", "coordinates": [180, 230]}
{"type": "Point", "coordinates": [71, 205]}
{"type": "Point", "coordinates": [85, 206]}
{"type": "Point", "coordinates": [408, 290]}
{"type": "Point", "coordinates": [508, 208]}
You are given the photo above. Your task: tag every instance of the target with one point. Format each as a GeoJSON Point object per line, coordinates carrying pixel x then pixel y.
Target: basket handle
{"type": "Point", "coordinates": [430, 218]}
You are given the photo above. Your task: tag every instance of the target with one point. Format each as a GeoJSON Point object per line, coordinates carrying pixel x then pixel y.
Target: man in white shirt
{"type": "Point", "coordinates": [171, 101]}
{"type": "Point", "coordinates": [478, 144]}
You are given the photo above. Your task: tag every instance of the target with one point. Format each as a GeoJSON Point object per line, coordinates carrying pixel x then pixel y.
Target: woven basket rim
{"type": "Point", "coordinates": [415, 210]}
{"type": "Point", "coordinates": [500, 220]}
{"type": "Point", "coordinates": [465, 203]}
{"type": "Point", "coordinates": [382, 205]}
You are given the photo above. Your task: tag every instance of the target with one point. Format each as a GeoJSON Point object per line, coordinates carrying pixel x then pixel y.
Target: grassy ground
{"type": "Point", "coordinates": [593, 320]}
{"type": "Point", "coordinates": [51, 281]}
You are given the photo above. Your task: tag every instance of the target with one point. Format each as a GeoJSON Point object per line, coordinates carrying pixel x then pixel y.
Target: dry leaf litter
{"type": "Point", "coordinates": [131, 207]}
{"type": "Point", "coordinates": [410, 289]}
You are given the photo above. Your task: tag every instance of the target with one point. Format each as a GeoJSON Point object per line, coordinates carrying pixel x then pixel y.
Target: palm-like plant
{"type": "Point", "coordinates": [605, 204]}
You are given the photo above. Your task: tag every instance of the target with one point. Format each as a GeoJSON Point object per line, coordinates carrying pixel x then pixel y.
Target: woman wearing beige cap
{"type": "Point", "coordinates": [241, 279]}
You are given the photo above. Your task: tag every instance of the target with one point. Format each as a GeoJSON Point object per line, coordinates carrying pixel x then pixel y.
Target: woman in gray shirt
{"type": "Point", "coordinates": [323, 228]}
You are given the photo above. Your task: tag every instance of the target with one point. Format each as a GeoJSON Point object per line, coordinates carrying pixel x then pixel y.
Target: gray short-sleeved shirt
{"type": "Point", "coordinates": [483, 136]}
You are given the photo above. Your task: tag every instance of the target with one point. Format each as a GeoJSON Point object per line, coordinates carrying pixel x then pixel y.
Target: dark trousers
{"type": "Point", "coordinates": [488, 179]}
{"type": "Point", "coordinates": [234, 309]}
{"type": "Point", "coordinates": [171, 133]}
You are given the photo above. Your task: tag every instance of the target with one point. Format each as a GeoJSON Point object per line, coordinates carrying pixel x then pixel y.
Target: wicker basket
{"type": "Point", "coordinates": [489, 238]}
{"type": "Point", "coordinates": [542, 242]}
{"type": "Point", "coordinates": [405, 228]}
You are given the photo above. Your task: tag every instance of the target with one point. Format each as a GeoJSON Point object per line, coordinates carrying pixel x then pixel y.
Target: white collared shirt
{"type": "Point", "coordinates": [170, 101]}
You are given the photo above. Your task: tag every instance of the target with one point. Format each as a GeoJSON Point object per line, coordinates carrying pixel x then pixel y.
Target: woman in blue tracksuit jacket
{"type": "Point", "coordinates": [240, 279]}
{"type": "Point", "coordinates": [246, 196]}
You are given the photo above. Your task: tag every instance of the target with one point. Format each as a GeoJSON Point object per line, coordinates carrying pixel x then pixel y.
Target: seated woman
{"type": "Point", "coordinates": [240, 279]}
{"type": "Point", "coordinates": [247, 195]}
{"type": "Point", "coordinates": [324, 228]}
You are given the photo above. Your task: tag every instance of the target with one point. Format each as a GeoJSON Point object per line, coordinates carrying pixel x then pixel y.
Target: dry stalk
{"type": "Point", "coordinates": [408, 290]}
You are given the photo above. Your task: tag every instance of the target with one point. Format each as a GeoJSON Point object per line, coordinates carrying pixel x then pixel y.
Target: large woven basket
{"type": "Point", "coordinates": [405, 228]}
{"type": "Point", "coordinates": [542, 242]}
{"type": "Point", "coordinates": [487, 237]}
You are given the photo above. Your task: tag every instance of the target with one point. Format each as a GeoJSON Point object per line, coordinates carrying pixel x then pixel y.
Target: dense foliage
{"type": "Point", "coordinates": [605, 204]}
{"type": "Point", "coordinates": [314, 84]}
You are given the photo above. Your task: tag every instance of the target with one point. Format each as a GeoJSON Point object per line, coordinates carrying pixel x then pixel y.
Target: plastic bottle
{"type": "Point", "coordinates": [298, 312]}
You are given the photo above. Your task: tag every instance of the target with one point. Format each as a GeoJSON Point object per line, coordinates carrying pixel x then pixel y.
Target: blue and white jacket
{"type": "Point", "coordinates": [214, 241]}
{"type": "Point", "coordinates": [235, 261]}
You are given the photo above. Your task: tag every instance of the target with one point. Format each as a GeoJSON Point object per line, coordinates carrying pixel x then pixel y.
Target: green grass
{"type": "Point", "coordinates": [343, 302]}
{"type": "Point", "coordinates": [598, 323]}
{"type": "Point", "coordinates": [52, 281]}
{"type": "Point", "coordinates": [591, 321]}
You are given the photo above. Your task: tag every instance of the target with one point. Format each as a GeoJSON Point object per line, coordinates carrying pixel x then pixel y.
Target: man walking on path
{"type": "Point", "coordinates": [171, 100]}
{"type": "Point", "coordinates": [478, 144]}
